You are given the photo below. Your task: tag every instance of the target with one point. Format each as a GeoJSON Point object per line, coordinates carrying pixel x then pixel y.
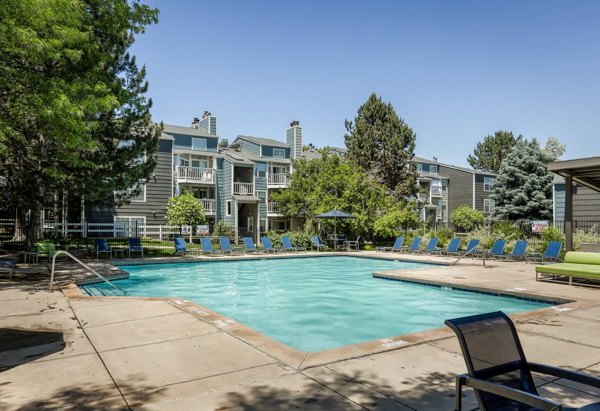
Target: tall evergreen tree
{"type": "Point", "coordinates": [489, 153]}
{"type": "Point", "coordinates": [383, 145]}
{"type": "Point", "coordinates": [73, 116]}
{"type": "Point", "coordinates": [523, 189]}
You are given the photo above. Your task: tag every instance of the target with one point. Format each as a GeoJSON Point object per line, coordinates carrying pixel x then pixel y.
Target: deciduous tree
{"type": "Point", "coordinates": [383, 145]}
{"type": "Point", "coordinates": [185, 209]}
{"type": "Point", "coordinates": [73, 116]}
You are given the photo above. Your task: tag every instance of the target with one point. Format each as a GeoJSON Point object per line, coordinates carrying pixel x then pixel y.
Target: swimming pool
{"type": "Point", "coordinates": [312, 303]}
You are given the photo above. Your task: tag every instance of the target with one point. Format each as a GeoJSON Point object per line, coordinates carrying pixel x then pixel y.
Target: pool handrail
{"type": "Point", "coordinates": [84, 265]}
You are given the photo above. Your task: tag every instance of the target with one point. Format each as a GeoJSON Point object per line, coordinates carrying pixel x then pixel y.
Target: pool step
{"type": "Point", "coordinates": [98, 291]}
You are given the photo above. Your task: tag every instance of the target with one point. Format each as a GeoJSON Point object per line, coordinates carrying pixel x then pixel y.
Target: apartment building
{"type": "Point", "coordinates": [444, 187]}
{"type": "Point", "coordinates": [234, 183]}
{"type": "Point", "coordinates": [586, 204]}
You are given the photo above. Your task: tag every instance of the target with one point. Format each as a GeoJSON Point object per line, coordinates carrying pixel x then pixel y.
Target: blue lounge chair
{"type": "Point", "coordinates": [250, 246]}
{"type": "Point", "coordinates": [396, 247]}
{"type": "Point", "coordinates": [496, 250]}
{"type": "Point", "coordinates": [135, 245]}
{"type": "Point", "coordinates": [181, 246]}
{"type": "Point", "coordinates": [471, 248]}
{"type": "Point", "coordinates": [552, 253]}
{"type": "Point", "coordinates": [226, 246]}
{"type": "Point", "coordinates": [431, 246]}
{"type": "Point", "coordinates": [451, 249]}
{"type": "Point", "coordinates": [288, 246]}
{"type": "Point", "coordinates": [316, 243]}
{"type": "Point", "coordinates": [518, 252]}
{"type": "Point", "coordinates": [207, 247]}
{"type": "Point", "coordinates": [102, 246]}
{"type": "Point", "coordinates": [414, 246]}
{"type": "Point", "coordinates": [268, 245]}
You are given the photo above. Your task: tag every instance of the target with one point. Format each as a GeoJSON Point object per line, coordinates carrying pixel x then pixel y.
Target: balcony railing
{"type": "Point", "coordinates": [209, 205]}
{"type": "Point", "coordinates": [272, 207]}
{"type": "Point", "coordinates": [244, 189]}
{"type": "Point", "coordinates": [195, 175]}
{"type": "Point", "coordinates": [423, 198]}
{"type": "Point", "coordinates": [278, 179]}
{"type": "Point", "coordinates": [436, 190]}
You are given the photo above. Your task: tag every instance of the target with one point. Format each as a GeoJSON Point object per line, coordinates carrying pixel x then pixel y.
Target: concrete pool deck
{"type": "Point", "coordinates": [64, 350]}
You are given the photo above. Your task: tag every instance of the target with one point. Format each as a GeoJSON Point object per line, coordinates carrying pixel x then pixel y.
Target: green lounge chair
{"type": "Point", "coordinates": [577, 265]}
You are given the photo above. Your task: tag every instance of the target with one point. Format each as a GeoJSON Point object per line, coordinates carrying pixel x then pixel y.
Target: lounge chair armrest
{"type": "Point", "coordinates": [508, 392]}
{"type": "Point", "coordinates": [566, 374]}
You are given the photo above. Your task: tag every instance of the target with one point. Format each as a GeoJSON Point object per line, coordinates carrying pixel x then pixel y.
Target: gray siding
{"type": "Point", "coordinates": [249, 147]}
{"type": "Point", "coordinates": [185, 142]}
{"type": "Point", "coordinates": [586, 203]}
{"type": "Point", "coordinates": [267, 151]}
{"type": "Point", "coordinates": [480, 194]}
{"type": "Point", "coordinates": [225, 190]}
{"type": "Point", "coordinates": [158, 193]}
{"type": "Point", "coordinates": [460, 187]}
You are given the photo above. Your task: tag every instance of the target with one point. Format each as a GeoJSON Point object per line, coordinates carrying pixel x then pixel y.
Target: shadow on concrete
{"type": "Point", "coordinates": [19, 346]}
{"type": "Point", "coordinates": [368, 391]}
{"type": "Point", "coordinates": [95, 398]}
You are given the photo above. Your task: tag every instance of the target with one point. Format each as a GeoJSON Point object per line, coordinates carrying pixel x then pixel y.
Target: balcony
{"type": "Point", "coordinates": [436, 191]}
{"type": "Point", "coordinates": [243, 189]}
{"type": "Point", "coordinates": [195, 175]}
{"type": "Point", "coordinates": [273, 208]}
{"type": "Point", "coordinates": [210, 206]}
{"type": "Point", "coordinates": [280, 180]}
{"type": "Point", "coordinates": [423, 198]}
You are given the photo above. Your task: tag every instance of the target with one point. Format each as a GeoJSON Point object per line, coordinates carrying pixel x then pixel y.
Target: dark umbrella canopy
{"type": "Point", "coordinates": [335, 214]}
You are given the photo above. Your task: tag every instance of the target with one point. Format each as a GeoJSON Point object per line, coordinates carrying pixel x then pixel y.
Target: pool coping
{"type": "Point", "coordinates": [303, 360]}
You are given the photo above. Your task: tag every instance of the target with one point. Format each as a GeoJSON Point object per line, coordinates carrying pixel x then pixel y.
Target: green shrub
{"type": "Point", "coordinates": [445, 234]}
{"type": "Point", "coordinates": [223, 229]}
{"type": "Point", "coordinates": [465, 219]}
{"type": "Point", "coordinates": [585, 236]}
{"type": "Point", "coordinates": [506, 230]}
{"type": "Point", "coordinates": [486, 239]}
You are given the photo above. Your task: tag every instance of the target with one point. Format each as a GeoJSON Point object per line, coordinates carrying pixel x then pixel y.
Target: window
{"type": "Point", "coordinates": [488, 205]}
{"type": "Point", "coordinates": [279, 152]}
{"type": "Point", "coordinates": [262, 196]}
{"type": "Point", "coordinates": [129, 227]}
{"type": "Point", "coordinates": [444, 185]}
{"type": "Point", "coordinates": [279, 225]}
{"type": "Point", "coordinates": [140, 197]}
{"type": "Point", "coordinates": [198, 143]}
{"type": "Point", "coordinates": [489, 183]}
{"type": "Point", "coordinates": [228, 210]}
{"type": "Point", "coordinates": [260, 170]}
{"type": "Point", "coordinates": [419, 168]}
{"type": "Point", "coordinates": [433, 169]}
{"type": "Point", "coordinates": [263, 225]}
{"type": "Point", "coordinates": [199, 163]}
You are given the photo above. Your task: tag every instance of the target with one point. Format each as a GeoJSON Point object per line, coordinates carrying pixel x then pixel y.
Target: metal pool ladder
{"type": "Point", "coordinates": [84, 265]}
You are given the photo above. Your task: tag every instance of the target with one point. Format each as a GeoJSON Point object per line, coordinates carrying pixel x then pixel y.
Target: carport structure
{"type": "Point", "coordinates": [585, 171]}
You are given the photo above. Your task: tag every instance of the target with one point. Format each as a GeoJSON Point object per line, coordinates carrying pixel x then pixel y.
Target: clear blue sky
{"type": "Point", "coordinates": [455, 71]}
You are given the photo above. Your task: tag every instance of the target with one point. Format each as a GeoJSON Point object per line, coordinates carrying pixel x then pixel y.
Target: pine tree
{"type": "Point", "coordinates": [489, 153]}
{"type": "Point", "coordinates": [523, 189]}
{"type": "Point", "coordinates": [383, 145]}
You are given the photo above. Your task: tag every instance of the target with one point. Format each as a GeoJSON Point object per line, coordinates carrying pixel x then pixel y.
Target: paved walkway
{"type": "Point", "coordinates": [61, 350]}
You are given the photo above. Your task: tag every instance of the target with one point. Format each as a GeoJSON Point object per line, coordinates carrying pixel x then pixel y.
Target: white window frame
{"type": "Point", "coordinates": [133, 199]}
{"type": "Point", "coordinates": [433, 167]}
{"type": "Point", "coordinates": [199, 141]}
{"type": "Point", "coordinates": [489, 183]}
{"type": "Point", "coordinates": [488, 205]}
{"type": "Point", "coordinates": [419, 168]}
{"type": "Point", "coordinates": [257, 171]}
{"type": "Point", "coordinates": [228, 208]}
{"type": "Point", "coordinates": [279, 152]}
{"type": "Point", "coordinates": [258, 194]}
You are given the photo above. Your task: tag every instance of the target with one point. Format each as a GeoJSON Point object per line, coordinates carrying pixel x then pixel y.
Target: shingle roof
{"type": "Point", "coordinates": [468, 170]}
{"type": "Point", "coordinates": [263, 141]}
{"type": "Point", "coordinates": [170, 129]}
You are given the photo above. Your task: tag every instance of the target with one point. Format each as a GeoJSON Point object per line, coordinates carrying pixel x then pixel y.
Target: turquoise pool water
{"type": "Point", "coordinates": [312, 304]}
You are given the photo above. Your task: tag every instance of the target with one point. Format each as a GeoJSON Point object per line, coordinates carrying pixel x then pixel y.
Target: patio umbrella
{"type": "Point", "coordinates": [335, 214]}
